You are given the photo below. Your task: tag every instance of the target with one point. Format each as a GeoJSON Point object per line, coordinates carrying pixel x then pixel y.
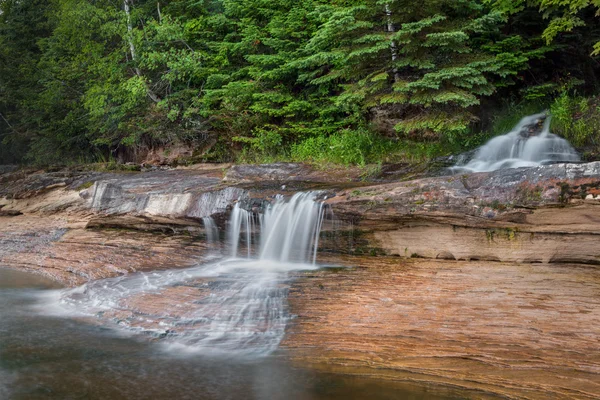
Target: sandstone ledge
{"type": "Point", "coordinates": [526, 325]}
{"type": "Point", "coordinates": [65, 252]}
{"type": "Point", "coordinates": [545, 214]}
{"type": "Point", "coordinates": [515, 330]}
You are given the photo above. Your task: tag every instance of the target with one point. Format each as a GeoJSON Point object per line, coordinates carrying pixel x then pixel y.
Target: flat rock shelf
{"type": "Point", "coordinates": [485, 282]}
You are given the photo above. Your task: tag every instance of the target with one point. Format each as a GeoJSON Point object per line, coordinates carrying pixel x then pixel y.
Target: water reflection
{"type": "Point", "coordinates": [44, 357]}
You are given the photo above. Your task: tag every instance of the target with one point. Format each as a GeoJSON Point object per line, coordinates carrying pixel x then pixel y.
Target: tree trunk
{"type": "Point", "coordinates": [393, 45]}
{"type": "Point", "coordinates": [127, 9]}
{"type": "Point", "coordinates": [138, 72]}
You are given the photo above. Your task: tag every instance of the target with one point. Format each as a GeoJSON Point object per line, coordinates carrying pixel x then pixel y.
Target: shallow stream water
{"type": "Point", "coordinates": [50, 357]}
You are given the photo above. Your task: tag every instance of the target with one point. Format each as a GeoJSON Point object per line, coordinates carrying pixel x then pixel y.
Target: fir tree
{"type": "Point", "coordinates": [418, 58]}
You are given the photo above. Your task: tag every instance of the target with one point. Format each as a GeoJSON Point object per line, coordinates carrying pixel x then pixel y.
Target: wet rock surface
{"type": "Point", "coordinates": [494, 285]}
{"type": "Point", "coordinates": [22, 184]}
{"type": "Point", "coordinates": [516, 330]}
{"type": "Point", "coordinates": [289, 172]}
{"type": "Point", "coordinates": [65, 252]}
{"type": "Point", "coordinates": [544, 214]}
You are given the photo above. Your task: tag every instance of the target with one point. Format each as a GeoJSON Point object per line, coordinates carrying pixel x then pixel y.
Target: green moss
{"type": "Point", "coordinates": [359, 251]}
{"type": "Point", "coordinates": [85, 185]}
{"type": "Point", "coordinates": [528, 194]}
{"type": "Point", "coordinates": [509, 234]}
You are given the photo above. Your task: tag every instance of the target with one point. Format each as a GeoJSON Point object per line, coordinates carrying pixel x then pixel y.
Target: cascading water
{"type": "Point", "coordinates": [289, 229]}
{"type": "Point", "coordinates": [234, 306]}
{"type": "Point", "coordinates": [524, 146]}
{"type": "Point", "coordinates": [211, 230]}
{"type": "Point", "coordinates": [242, 221]}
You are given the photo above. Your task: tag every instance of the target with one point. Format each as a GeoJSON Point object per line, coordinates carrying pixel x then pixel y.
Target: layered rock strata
{"type": "Point", "coordinates": [534, 215]}
{"type": "Point", "coordinates": [526, 331]}
{"type": "Point", "coordinates": [485, 281]}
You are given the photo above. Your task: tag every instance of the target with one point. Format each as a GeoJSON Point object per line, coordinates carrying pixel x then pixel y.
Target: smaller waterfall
{"type": "Point", "coordinates": [211, 230]}
{"type": "Point", "coordinates": [524, 146]}
{"type": "Point", "coordinates": [242, 225]}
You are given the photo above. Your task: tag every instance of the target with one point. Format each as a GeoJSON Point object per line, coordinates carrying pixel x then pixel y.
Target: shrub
{"type": "Point", "coordinates": [577, 119]}
{"type": "Point", "coordinates": [358, 147]}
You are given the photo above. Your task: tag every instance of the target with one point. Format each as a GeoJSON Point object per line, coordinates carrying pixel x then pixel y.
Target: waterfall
{"type": "Point", "coordinates": [290, 230]}
{"type": "Point", "coordinates": [530, 143]}
{"type": "Point", "coordinates": [236, 306]}
{"type": "Point", "coordinates": [242, 221]}
{"type": "Point", "coordinates": [211, 230]}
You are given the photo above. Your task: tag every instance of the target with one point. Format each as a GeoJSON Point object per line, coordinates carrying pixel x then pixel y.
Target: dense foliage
{"type": "Point", "coordinates": [349, 81]}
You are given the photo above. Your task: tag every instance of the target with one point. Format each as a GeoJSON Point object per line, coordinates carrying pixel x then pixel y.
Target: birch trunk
{"type": "Point", "coordinates": [393, 45]}
{"type": "Point", "coordinates": [138, 72]}
{"type": "Point", "coordinates": [130, 31]}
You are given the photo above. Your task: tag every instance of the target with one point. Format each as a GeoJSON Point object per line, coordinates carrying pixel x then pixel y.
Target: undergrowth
{"type": "Point", "coordinates": [577, 119]}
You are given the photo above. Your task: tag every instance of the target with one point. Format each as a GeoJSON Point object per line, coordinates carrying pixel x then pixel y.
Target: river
{"type": "Point", "coordinates": [49, 357]}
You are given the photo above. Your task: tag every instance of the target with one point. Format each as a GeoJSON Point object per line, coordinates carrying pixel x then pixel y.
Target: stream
{"type": "Point", "coordinates": [253, 298]}
{"type": "Point", "coordinates": [50, 357]}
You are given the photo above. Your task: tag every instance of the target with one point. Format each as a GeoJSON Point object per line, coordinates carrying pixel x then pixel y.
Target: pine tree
{"type": "Point", "coordinates": [417, 58]}
{"type": "Point", "coordinates": [563, 15]}
{"type": "Point", "coordinates": [263, 94]}
{"type": "Point", "coordinates": [22, 25]}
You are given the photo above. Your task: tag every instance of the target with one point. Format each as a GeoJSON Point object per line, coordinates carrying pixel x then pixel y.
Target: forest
{"type": "Point", "coordinates": [343, 81]}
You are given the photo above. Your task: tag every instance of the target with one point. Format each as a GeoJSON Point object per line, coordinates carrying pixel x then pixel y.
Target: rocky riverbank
{"type": "Point", "coordinates": [526, 331]}
{"type": "Point", "coordinates": [486, 281]}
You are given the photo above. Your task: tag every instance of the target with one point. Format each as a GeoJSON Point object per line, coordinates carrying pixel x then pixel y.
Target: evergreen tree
{"type": "Point", "coordinates": [264, 95]}
{"type": "Point", "coordinates": [85, 80]}
{"type": "Point", "coordinates": [563, 15]}
{"type": "Point", "coordinates": [417, 58]}
{"type": "Point", "coordinates": [23, 23]}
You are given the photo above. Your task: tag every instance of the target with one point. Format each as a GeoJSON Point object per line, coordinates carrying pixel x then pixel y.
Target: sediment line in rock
{"type": "Point", "coordinates": [516, 330]}
{"type": "Point", "coordinates": [523, 326]}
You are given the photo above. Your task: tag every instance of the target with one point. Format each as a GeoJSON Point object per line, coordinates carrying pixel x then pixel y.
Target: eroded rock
{"type": "Point", "coordinates": [514, 330]}
{"type": "Point", "coordinates": [520, 215]}
{"type": "Point", "coordinates": [516, 314]}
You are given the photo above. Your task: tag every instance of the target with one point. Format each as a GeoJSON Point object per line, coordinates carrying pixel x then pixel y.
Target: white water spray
{"type": "Point", "coordinates": [521, 147]}
{"type": "Point", "coordinates": [241, 222]}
